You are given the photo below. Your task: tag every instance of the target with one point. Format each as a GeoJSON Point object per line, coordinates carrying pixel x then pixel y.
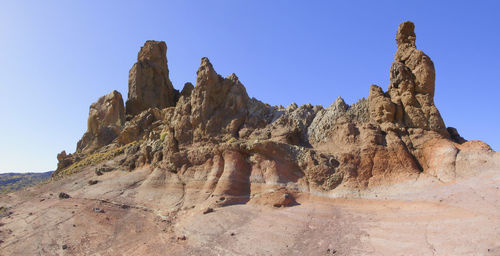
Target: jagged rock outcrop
{"type": "Point", "coordinates": [218, 105]}
{"type": "Point", "coordinates": [291, 126]}
{"type": "Point", "coordinates": [215, 109]}
{"type": "Point", "coordinates": [149, 85]}
{"type": "Point", "coordinates": [64, 160]}
{"type": "Point", "coordinates": [187, 90]}
{"type": "Point", "coordinates": [337, 113]}
{"type": "Point", "coordinates": [106, 118]}
{"type": "Point", "coordinates": [213, 140]}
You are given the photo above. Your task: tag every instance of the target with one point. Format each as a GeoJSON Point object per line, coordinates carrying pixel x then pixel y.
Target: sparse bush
{"type": "Point", "coordinates": [163, 135]}
{"type": "Point", "coordinates": [95, 159]}
{"type": "Point", "coordinates": [231, 140]}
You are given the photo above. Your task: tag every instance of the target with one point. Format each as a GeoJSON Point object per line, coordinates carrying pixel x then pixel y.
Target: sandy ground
{"type": "Point", "coordinates": [459, 218]}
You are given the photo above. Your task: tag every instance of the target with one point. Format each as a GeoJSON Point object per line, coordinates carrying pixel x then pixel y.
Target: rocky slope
{"type": "Point", "coordinates": [157, 164]}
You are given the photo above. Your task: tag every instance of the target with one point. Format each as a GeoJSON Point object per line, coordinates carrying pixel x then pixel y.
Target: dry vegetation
{"type": "Point", "coordinates": [93, 159]}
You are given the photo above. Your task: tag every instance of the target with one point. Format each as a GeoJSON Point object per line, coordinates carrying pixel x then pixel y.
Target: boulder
{"type": "Point", "coordinates": [440, 156]}
{"type": "Point", "coordinates": [63, 195]}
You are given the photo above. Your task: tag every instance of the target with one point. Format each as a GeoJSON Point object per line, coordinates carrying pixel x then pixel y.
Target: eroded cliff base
{"type": "Point", "coordinates": [122, 215]}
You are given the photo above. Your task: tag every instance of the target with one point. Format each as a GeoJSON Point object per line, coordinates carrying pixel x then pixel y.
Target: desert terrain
{"type": "Point", "coordinates": [208, 170]}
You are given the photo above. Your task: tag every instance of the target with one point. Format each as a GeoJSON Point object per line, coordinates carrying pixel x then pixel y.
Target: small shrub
{"type": "Point", "coordinates": [163, 135]}
{"type": "Point", "coordinates": [231, 140]}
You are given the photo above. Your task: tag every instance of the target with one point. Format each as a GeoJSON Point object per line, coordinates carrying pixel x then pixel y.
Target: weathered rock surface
{"type": "Point", "coordinates": [149, 85]}
{"type": "Point", "coordinates": [187, 90]}
{"type": "Point", "coordinates": [455, 136]}
{"type": "Point", "coordinates": [413, 84]}
{"type": "Point", "coordinates": [64, 160]}
{"type": "Point", "coordinates": [218, 105]}
{"type": "Point", "coordinates": [381, 107]}
{"type": "Point", "coordinates": [409, 100]}
{"type": "Point", "coordinates": [106, 118]}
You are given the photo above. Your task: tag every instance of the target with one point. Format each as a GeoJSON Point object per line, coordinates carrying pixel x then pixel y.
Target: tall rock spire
{"type": "Point", "coordinates": [149, 84]}
{"type": "Point", "coordinates": [411, 88]}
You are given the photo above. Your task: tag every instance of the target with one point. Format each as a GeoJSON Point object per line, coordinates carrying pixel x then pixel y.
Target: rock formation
{"type": "Point", "coordinates": [409, 100]}
{"type": "Point", "coordinates": [215, 138]}
{"type": "Point", "coordinates": [187, 90]}
{"type": "Point", "coordinates": [218, 106]}
{"type": "Point", "coordinates": [156, 177]}
{"type": "Point", "coordinates": [106, 118]}
{"type": "Point", "coordinates": [412, 84]}
{"type": "Point", "coordinates": [64, 160]}
{"type": "Point", "coordinates": [148, 84]}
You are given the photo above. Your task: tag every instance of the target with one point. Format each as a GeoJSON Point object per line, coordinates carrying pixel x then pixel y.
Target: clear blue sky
{"type": "Point", "coordinates": [57, 57]}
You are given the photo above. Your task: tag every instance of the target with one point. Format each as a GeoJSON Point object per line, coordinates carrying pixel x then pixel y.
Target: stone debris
{"type": "Point", "coordinates": [63, 195]}
{"type": "Point", "coordinates": [98, 210]}
{"type": "Point", "coordinates": [208, 210]}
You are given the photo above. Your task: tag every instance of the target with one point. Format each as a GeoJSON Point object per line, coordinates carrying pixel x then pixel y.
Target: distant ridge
{"type": "Point", "coordinates": [10, 182]}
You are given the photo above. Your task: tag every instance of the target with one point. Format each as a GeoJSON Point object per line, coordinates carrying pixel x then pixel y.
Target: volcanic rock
{"type": "Point", "coordinates": [149, 85]}
{"type": "Point", "coordinates": [212, 146]}
{"type": "Point", "coordinates": [218, 105]}
{"type": "Point", "coordinates": [412, 84]}
{"type": "Point", "coordinates": [208, 210]}
{"type": "Point", "coordinates": [187, 90]}
{"type": "Point", "coordinates": [63, 195]}
{"type": "Point", "coordinates": [64, 160]}
{"type": "Point", "coordinates": [455, 136]}
{"type": "Point", "coordinates": [381, 107]}
{"type": "Point", "coordinates": [98, 210]}
{"type": "Point", "coordinates": [216, 126]}
{"type": "Point", "coordinates": [106, 118]}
